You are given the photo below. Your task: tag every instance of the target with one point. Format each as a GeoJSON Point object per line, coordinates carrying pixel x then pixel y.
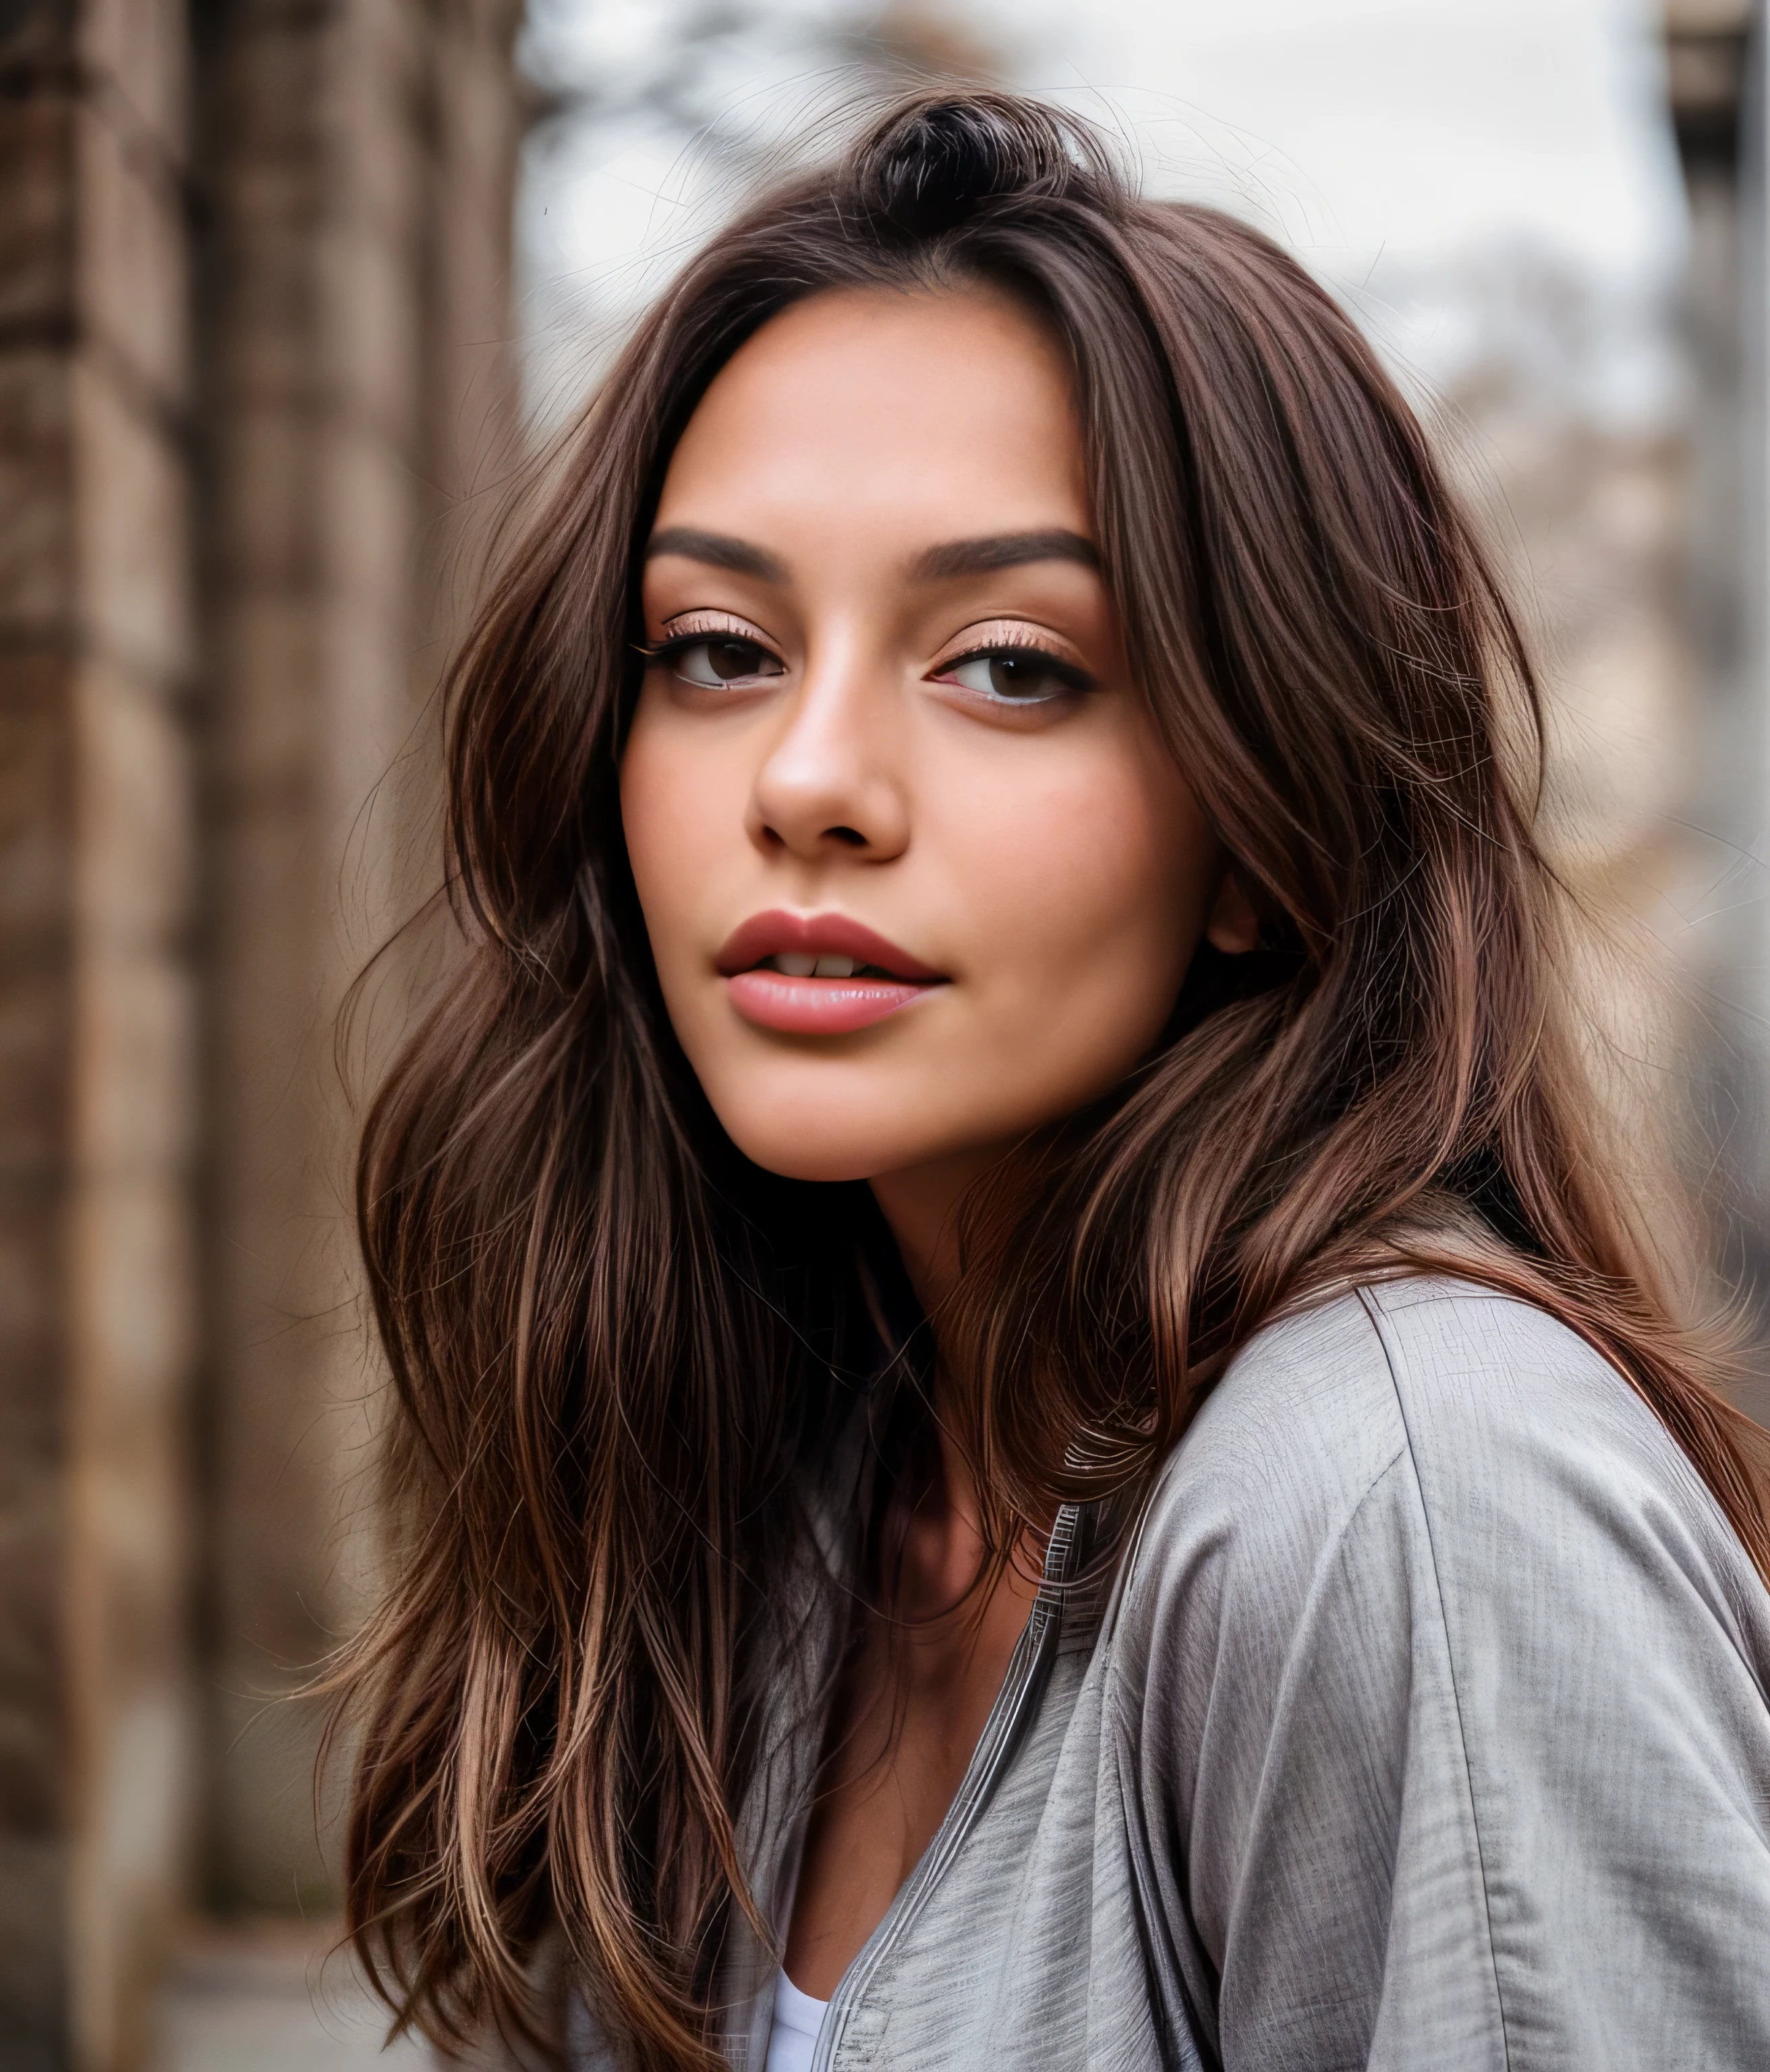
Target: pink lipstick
{"type": "Point", "coordinates": [818, 974]}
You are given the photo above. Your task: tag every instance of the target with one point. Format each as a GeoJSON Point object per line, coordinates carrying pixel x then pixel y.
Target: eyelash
{"type": "Point", "coordinates": [679, 644]}
{"type": "Point", "coordinates": [1067, 673]}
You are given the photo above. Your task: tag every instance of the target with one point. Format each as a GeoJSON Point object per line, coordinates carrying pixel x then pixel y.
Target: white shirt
{"type": "Point", "coordinates": [793, 2036]}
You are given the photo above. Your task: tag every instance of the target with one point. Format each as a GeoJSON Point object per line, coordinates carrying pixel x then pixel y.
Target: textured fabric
{"type": "Point", "coordinates": [1425, 1727]}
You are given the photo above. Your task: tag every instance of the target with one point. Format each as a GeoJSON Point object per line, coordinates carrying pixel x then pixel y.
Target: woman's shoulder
{"type": "Point", "coordinates": [1437, 1662]}
{"type": "Point", "coordinates": [1435, 1425]}
{"type": "Point", "coordinates": [1469, 1387]}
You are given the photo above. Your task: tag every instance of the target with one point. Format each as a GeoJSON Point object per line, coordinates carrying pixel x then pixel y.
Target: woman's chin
{"type": "Point", "coordinates": [796, 1158]}
{"type": "Point", "coordinates": [832, 1141]}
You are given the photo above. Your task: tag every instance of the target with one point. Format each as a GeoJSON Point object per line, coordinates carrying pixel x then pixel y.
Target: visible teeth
{"type": "Point", "coordinates": [801, 964]}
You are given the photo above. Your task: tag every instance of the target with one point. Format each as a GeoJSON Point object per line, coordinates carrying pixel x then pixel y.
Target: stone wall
{"type": "Point", "coordinates": [234, 518]}
{"type": "Point", "coordinates": [96, 1000]}
{"type": "Point", "coordinates": [354, 201]}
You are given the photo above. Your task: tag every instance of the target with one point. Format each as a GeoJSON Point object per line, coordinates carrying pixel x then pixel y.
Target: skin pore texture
{"type": "Point", "coordinates": [887, 725]}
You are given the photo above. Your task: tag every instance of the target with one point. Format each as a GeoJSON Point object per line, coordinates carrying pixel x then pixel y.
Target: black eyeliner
{"type": "Point", "coordinates": [1067, 673]}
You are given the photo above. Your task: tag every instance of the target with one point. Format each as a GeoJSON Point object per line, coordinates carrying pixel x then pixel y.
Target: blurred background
{"type": "Point", "coordinates": [289, 290]}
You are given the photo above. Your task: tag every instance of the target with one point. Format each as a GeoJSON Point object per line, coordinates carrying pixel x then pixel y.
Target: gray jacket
{"type": "Point", "coordinates": [1425, 1726]}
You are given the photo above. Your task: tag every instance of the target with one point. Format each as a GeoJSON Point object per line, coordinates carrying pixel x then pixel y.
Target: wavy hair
{"type": "Point", "coordinates": [615, 1343]}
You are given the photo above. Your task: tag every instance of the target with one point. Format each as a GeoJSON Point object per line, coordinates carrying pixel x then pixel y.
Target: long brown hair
{"type": "Point", "coordinates": [615, 1343]}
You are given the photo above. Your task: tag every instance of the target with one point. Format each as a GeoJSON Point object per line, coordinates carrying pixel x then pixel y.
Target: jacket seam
{"type": "Point", "coordinates": [1116, 1678]}
{"type": "Point", "coordinates": [1134, 1598]}
{"type": "Point", "coordinates": [1132, 1584]}
{"type": "Point", "coordinates": [1378, 1318]}
{"type": "Point", "coordinates": [1333, 1556]}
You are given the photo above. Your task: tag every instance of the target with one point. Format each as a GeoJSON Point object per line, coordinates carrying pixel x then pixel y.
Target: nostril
{"type": "Point", "coordinates": [852, 837]}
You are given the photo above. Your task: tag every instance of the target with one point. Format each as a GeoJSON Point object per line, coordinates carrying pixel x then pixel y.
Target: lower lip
{"type": "Point", "coordinates": [818, 1006]}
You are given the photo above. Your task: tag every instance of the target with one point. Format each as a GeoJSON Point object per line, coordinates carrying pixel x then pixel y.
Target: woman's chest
{"type": "Point", "coordinates": [908, 1720]}
{"type": "Point", "coordinates": [1016, 1939]}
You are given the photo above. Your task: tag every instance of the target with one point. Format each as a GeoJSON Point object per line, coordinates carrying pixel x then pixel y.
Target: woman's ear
{"type": "Point", "coordinates": [1234, 926]}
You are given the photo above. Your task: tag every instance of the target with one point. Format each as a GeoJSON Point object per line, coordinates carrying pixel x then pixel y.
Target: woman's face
{"type": "Point", "coordinates": [918, 873]}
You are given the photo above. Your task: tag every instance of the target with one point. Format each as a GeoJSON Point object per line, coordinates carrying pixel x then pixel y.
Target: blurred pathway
{"type": "Point", "coordinates": [273, 1998]}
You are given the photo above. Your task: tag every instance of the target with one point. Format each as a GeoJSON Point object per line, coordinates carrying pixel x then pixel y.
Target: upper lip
{"type": "Point", "coordinates": [818, 934]}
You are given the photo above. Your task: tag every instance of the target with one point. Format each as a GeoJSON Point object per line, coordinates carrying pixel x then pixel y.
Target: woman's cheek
{"type": "Point", "coordinates": [1096, 886]}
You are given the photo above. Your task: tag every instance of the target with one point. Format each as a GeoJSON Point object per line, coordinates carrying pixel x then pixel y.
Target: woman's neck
{"type": "Point", "coordinates": [945, 1545]}
{"type": "Point", "coordinates": [920, 1206]}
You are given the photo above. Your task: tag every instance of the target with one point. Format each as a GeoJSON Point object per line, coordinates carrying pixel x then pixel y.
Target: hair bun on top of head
{"type": "Point", "coordinates": [934, 160]}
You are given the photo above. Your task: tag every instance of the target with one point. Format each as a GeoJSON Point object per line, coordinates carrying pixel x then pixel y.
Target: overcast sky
{"type": "Point", "coordinates": [1386, 141]}
{"type": "Point", "coordinates": [1421, 126]}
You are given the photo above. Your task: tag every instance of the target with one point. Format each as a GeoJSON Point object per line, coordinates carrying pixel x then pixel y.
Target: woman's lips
{"type": "Point", "coordinates": [839, 975]}
{"type": "Point", "coordinates": [817, 1006]}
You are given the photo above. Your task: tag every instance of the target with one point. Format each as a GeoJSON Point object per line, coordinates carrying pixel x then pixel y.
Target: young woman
{"type": "Point", "coordinates": [1033, 1428]}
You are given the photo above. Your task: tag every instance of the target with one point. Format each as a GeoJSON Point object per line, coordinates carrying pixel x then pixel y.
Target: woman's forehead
{"type": "Point", "coordinates": [927, 401]}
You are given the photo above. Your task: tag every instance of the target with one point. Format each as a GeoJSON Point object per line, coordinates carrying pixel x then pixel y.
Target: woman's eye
{"type": "Point", "coordinates": [716, 665]}
{"type": "Point", "coordinates": [1011, 678]}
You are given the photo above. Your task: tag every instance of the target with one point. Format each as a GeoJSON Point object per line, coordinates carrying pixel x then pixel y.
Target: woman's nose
{"type": "Point", "coordinates": [834, 777]}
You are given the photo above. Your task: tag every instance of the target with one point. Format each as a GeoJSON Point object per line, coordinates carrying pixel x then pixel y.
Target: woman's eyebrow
{"type": "Point", "coordinates": [951, 557]}
{"type": "Point", "coordinates": [716, 550]}
{"type": "Point", "coordinates": [1004, 550]}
